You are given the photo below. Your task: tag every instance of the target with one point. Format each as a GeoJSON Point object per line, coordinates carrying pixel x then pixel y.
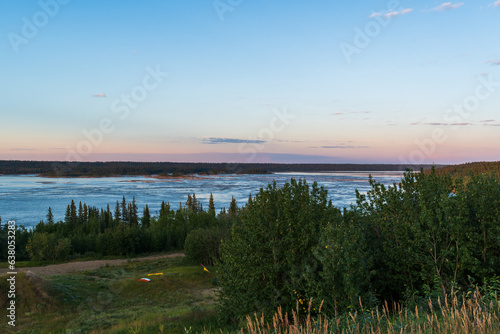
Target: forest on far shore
{"type": "Point", "coordinates": [464, 170]}
{"type": "Point", "coordinates": [116, 168]}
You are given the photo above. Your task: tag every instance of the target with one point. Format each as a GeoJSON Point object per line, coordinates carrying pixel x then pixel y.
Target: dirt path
{"type": "Point", "coordinates": [64, 268]}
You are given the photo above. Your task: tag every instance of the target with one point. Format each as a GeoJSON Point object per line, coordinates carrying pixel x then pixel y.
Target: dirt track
{"type": "Point", "coordinates": [64, 268]}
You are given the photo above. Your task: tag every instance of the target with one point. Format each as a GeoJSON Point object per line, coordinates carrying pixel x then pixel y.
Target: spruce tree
{"type": "Point", "coordinates": [50, 217]}
{"type": "Point", "coordinates": [233, 207]}
{"type": "Point", "coordinates": [146, 217]}
{"type": "Point", "coordinates": [189, 202]}
{"type": "Point", "coordinates": [80, 214]}
{"type": "Point", "coordinates": [85, 213]}
{"type": "Point", "coordinates": [73, 213]}
{"type": "Point", "coordinates": [67, 216]}
{"type": "Point", "coordinates": [118, 213]}
{"type": "Point", "coordinates": [125, 217]}
{"type": "Point", "coordinates": [211, 205]}
{"type": "Point", "coordinates": [109, 218]}
{"type": "Point", "coordinates": [133, 216]}
{"type": "Point", "coordinates": [194, 204]}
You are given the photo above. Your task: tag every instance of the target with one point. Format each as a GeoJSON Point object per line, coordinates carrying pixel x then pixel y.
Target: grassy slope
{"type": "Point", "coordinates": [111, 300]}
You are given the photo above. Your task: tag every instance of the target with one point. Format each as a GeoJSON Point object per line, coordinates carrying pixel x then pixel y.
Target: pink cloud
{"type": "Point", "coordinates": [447, 6]}
{"type": "Point", "coordinates": [392, 13]}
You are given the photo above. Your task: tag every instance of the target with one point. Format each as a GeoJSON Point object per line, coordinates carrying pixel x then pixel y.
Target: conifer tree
{"type": "Point", "coordinates": [164, 209]}
{"type": "Point", "coordinates": [50, 217]}
{"type": "Point", "coordinates": [85, 213]}
{"type": "Point", "coordinates": [211, 205]}
{"type": "Point", "coordinates": [125, 217]}
{"type": "Point", "coordinates": [67, 216]}
{"type": "Point", "coordinates": [80, 214]}
{"type": "Point", "coordinates": [189, 202]}
{"type": "Point", "coordinates": [233, 207]}
{"type": "Point", "coordinates": [146, 217]}
{"type": "Point", "coordinates": [109, 217]}
{"type": "Point", "coordinates": [194, 204]}
{"type": "Point", "coordinates": [73, 213]}
{"type": "Point", "coordinates": [118, 213]}
{"type": "Point", "coordinates": [133, 216]}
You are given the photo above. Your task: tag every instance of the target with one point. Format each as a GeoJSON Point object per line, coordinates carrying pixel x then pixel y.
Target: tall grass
{"type": "Point", "coordinates": [474, 314]}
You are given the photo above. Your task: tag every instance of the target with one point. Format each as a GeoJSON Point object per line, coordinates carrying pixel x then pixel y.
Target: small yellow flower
{"type": "Point", "coordinates": [326, 246]}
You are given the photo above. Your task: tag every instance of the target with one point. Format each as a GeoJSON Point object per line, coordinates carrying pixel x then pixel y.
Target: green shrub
{"type": "Point", "coordinates": [45, 246]}
{"type": "Point", "coordinates": [269, 260]}
{"type": "Point", "coordinates": [202, 245]}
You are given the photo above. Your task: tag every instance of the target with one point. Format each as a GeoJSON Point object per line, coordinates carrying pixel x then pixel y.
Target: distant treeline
{"type": "Point", "coordinates": [464, 170]}
{"type": "Point", "coordinates": [96, 169]}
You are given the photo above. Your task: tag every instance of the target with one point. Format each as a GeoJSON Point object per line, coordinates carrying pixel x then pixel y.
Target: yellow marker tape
{"type": "Point", "coordinates": [155, 274]}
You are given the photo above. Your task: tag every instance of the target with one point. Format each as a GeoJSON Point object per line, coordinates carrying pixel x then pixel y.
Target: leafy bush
{"type": "Point", "coordinates": [269, 260]}
{"type": "Point", "coordinates": [45, 246]}
{"type": "Point", "coordinates": [202, 245]}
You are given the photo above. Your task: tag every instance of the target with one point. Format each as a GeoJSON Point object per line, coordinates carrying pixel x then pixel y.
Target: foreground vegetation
{"type": "Point", "coordinates": [111, 300]}
{"type": "Point", "coordinates": [476, 314]}
{"type": "Point", "coordinates": [420, 256]}
{"type": "Point", "coordinates": [426, 237]}
{"type": "Point", "coordinates": [182, 300]}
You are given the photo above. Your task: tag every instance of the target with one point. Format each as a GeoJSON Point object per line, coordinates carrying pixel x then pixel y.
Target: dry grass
{"type": "Point", "coordinates": [459, 315]}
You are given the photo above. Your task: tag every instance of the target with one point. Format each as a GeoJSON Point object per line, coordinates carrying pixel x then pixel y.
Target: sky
{"type": "Point", "coordinates": [250, 81]}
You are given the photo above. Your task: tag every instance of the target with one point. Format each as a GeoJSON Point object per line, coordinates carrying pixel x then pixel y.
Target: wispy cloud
{"type": "Point", "coordinates": [495, 4]}
{"type": "Point", "coordinates": [24, 149]}
{"type": "Point", "coordinates": [215, 141]}
{"type": "Point", "coordinates": [493, 62]}
{"type": "Point", "coordinates": [99, 95]}
{"type": "Point", "coordinates": [344, 146]}
{"type": "Point", "coordinates": [392, 13]}
{"type": "Point", "coordinates": [350, 112]}
{"type": "Point", "coordinates": [442, 124]}
{"type": "Point", "coordinates": [487, 121]}
{"type": "Point", "coordinates": [447, 6]}
{"type": "Point", "coordinates": [288, 141]}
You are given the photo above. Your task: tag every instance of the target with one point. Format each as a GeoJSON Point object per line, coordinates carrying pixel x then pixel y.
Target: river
{"type": "Point", "coordinates": [26, 198]}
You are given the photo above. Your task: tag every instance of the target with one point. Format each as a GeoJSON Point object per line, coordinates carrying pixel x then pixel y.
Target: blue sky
{"type": "Point", "coordinates": [250, 81]}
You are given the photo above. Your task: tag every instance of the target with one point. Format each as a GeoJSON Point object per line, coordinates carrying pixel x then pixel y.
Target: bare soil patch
{"type": "Point", "coordinates": [65, 268]}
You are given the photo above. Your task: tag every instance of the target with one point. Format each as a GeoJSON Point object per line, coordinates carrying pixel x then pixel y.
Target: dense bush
{"type": "Point", "coordinates": [427, 236]}
{"type": "Point", "coordinates": [45, 246]}
{"type": "Point", "coordinates": [265, 263]}
{"type": "Point", "coordinates": [202, 245]}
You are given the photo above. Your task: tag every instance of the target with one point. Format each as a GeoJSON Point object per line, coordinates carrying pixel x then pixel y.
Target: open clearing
{"type": "Point", "coordinates": [106, 297]}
